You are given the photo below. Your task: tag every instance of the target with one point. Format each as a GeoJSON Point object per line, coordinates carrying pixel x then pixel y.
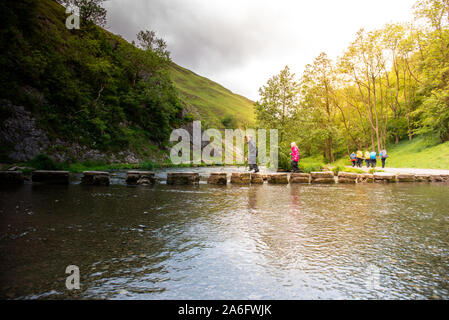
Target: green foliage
{"type": "Point", "coordinates": [87, 86]}
{"type": "Point", "coordinates": [43, 162]}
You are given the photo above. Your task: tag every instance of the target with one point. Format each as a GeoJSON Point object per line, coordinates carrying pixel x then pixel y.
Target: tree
{"type": "Point", "coordinates": [278, 103]}
{"type": "Point", "coordinates": [149, 42]}
{"type": "Point", "coordinates": [90, 10]}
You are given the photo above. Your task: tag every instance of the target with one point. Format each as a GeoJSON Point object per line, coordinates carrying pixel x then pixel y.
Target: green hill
{"type": "Point", "coordinates": [89, 94]}
{"type": "Point", "coordinates": [211, 101]}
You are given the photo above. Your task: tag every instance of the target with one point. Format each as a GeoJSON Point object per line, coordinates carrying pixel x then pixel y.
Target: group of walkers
{"type": "Point", "coordinates": [370, 158]}
{"type": "Point", "coordinates": [357, 158]}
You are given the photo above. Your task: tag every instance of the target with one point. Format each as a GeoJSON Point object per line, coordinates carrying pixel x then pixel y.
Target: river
{"type": "Point", "coordinates": [365, 241]}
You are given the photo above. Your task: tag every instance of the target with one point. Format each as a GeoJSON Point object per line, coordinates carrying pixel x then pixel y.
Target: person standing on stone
{"type": "Point", "coordinates": [252, 154]}
{"type": "Point", "coordinates": [383, 156]}
{"type": "Point", "coordinates": [295, 157]}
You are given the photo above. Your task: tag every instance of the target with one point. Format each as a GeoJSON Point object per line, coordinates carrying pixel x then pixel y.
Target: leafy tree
{"type": "Point", "coordinates": [90, 10]}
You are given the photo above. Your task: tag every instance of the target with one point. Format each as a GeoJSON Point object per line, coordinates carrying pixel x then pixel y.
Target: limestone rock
{"type": "Point", "coordinates": [51, 177]}
{"type": "Point", "coordinates": [11, 177]}
{"type": "Point", "coordinates": [384, 177]}
{"type": "Point", "coordinates": [218, 179]}
{"type": "Point", "coordinates": [436, 178]}
{"type": "Point", "coordinates": [278, 178]}
{"type": "Point", "coordinates": [183, 178]}
{"type": "Point", "coordinates": [241, 178]}
{"type": "Point", "coordinates": [347, 177]}
{"type": "Point", "coordinates": [95, 178]}
{"type": "Point", "coordinates": [423, 178]}
{"type": "Point", "coordinates": [140, 178]}
{"type": "Point", "coordinates": [405, 177]}
{"type": "Point", "coordinates": [365, 178]}
{"type": "Point", "coordinates": [326, 177]}
{"type": "Point", "coordinates": [257, 178]}
{"type": "Point", "coordinates": [300, 178]}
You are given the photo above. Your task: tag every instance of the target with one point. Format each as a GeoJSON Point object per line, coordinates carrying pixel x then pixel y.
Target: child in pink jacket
{"type": "Point", "coordinates": [295, 157]}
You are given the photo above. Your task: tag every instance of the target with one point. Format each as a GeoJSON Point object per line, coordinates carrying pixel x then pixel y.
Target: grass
{"type": "Point", "coordinates": [424, 152]}
{"type": "Point", "coordinates": [212, 101]}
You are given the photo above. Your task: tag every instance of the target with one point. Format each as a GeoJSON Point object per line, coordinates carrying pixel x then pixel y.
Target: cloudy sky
{"type": "Point", "coordinates": [242, 43]}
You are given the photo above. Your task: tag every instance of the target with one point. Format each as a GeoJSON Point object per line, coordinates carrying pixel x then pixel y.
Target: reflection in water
{"type": "Point", "coordinates": [206, 242]}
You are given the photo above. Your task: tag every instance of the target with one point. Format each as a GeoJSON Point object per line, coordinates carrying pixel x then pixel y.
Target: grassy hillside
{"type": "Point", "coordinates": [211, 101]}
{"type": "Point", "coordinates": [421, 152]}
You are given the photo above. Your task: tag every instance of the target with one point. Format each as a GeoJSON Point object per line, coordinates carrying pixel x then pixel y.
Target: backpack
{"type": "Point", "coordinates": [373, 155]}
{"type": "Point", "coordinates": [384, 155]}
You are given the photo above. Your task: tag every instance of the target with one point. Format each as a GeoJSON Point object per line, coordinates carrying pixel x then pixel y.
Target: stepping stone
{"type": "Point", "coordinates": [51, 177]}
{"type": "Point", "coordinates": [423, 178]}
{"type": "Point", "coordinates": [257, 178]}
{"type": "Point", "coordinates": [95, 178]}
{"type": "Point", "coordinates": [218, 179]}
{"type": "Point", "coordinates": [241, 178]}
{"type": "Point", "coordinates": [347, 177]}
{"type": "Point", "coordinates": [11, 177]}
{"type": "Point", "coordinates": [384, 177]}
{"type": "Point", "coordinates": [140, 178]}
{"type": "Point", "coordinates": [278, 178]}
{"type": "Point", "coordinates": [436, 178]}
{"type": "Point", "coordinates": [405, 177]}
{"type": "Point", "coordinates": [296, 178]}
{"type": "Point", "coordinates": [183, 178]}
{"type": "Point", "coordinates": [365, 178]}
{"type": "Point", "coordinates": [323, 177]}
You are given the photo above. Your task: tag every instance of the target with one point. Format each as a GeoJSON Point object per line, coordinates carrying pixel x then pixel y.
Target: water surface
{"type": "Point", "coordinates": [367, 241]}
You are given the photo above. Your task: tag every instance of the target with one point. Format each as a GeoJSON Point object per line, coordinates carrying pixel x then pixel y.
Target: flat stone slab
{"type": "Point", "coordinates": [278, 178]}
{"type": "Point", "coordinates": [11, 177]}
{"type": "Point", "coordinates": [347, 175]}
{"type": "Point", "coordinates": [257, 178]}
{"type": "Point", "coordinates": [436, 178]}
{"type": "Point", "coordinates": [403, 177]}
{"type": "Point", "coordinates": [241, 178]}
{"type": "Point", "coordinates": [323, 181]}
{"type": "Point", "coordinates": [218, 179]}
{"type": "Point", "coordinates": [322, 175]}
{"type": "Point", "coordinates": [347, 181]}
{"type": "Point", "coordinates": [51, 177]}
{"type": "Point", "coordinates": [384, 177]}
{"type": "Point", "coordinates": [423, 178]}
{"type": "Point", "coordinates": [95, 178]}
{"type": "Point", "coordinates": [297, 178]}
{"type": "Point", "coordinates": [183, 178]}
{"type": "Point", "coordinates": [140, 178]}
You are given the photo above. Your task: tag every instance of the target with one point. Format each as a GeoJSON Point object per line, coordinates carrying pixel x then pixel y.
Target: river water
{"type": "Point", "coordinates": [366, 241]}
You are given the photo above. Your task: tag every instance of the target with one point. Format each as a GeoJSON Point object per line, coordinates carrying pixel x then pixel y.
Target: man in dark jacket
{"type": "Point", "coordinates": [252, 154]}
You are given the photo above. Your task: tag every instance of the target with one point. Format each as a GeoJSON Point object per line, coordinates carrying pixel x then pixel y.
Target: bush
{"type": "Point", "coordinates": [43, 162]}
{"type": "Point", "coordinates": [310, 167]}
{"type": "Point", "coordinates": [147, 165]}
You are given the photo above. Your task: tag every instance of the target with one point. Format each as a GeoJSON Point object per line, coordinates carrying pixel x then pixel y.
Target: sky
{"type": "Point", "coordinates": [242, 43]}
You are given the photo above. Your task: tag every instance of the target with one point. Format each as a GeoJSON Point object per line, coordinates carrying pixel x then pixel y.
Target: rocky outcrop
{"type": "Point", "coordinates": [405, 177]}
{"type": "Point", "coordinates": [278, 178]}
{"type": "Point", "coordinates": [323, 177]}
{"type": "Point", "coordinates": [8, 178]}
{"type": "Point", "coordinates": [218, 178]}
{"type": "Point", "coordinates": [257, 178]}
{"type": "Point", "coordinates": [24, 140]}
{"type": "Point", "coordinates": [51, 177]}
{"type": "Point", "coordinates": [241, 178]}
{"type": "Point", "coordinates": [183, 178]}
{"type": "Point", "coordinates": [300, 178]}
{"type": "Point", "coordinates": [95, 178]}
{"type": "Point", "coordinates": [140, 178]}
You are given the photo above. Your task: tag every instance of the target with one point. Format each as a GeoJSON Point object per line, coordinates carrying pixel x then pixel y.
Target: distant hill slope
{"type": "Point", "coordinates": [211, 101]}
